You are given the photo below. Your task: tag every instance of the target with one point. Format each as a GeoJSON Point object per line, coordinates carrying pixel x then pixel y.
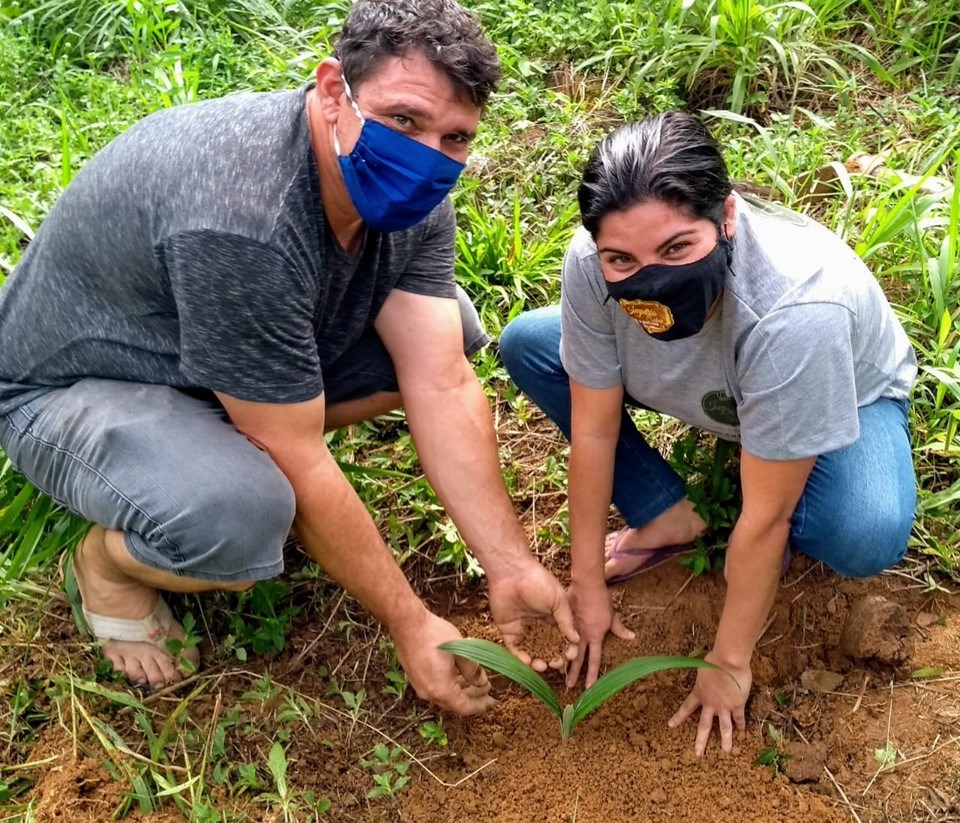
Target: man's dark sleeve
{"type": "Point", "coordinates": [246, 318]}
{"type": "Point", "coordinates": [430, 270]}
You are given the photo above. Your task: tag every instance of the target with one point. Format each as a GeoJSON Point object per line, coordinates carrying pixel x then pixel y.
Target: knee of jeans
{"type": "Point", "coordinates": [869, 545]}
{"type": "Point", "coordinates": [522, 348]}
{"type": "Point", "coordinates": [242, 525]}
{"type": "Point", "coordinates": [512, 343]}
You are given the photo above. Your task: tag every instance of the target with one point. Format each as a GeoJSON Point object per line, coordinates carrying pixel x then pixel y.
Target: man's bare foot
{"type": "Point", "coordinates": [110, 593]}
{"type": "Point", "coordinates": [678, 525]}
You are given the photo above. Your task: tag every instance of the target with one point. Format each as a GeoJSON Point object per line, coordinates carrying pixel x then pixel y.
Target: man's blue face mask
{"type": "Point", "coordinates": [393, 181]}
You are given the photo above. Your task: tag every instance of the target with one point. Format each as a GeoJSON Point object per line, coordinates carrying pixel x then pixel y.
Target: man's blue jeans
{"type": "Point", "coordinates": [855, 513]}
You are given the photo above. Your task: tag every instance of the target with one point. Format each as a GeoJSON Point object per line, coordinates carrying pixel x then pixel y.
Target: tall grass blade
{"type": "Point", "coordinates": [947, 497]}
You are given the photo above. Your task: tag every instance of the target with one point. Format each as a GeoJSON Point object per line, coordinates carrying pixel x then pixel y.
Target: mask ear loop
{"type": "Point", "coordinates": [353, 103]}
{"type": "Point", "coordinates": [728, 245]}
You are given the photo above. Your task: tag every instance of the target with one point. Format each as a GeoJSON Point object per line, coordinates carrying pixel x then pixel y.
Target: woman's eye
{"type": "Point", "coordinates": [676, 248]}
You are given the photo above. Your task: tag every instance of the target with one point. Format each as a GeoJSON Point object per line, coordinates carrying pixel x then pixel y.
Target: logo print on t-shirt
{"type": "Point", "coordinates": [720, 406]}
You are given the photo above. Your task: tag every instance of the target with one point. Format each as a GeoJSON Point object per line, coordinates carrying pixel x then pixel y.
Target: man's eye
{"type": "Point", "coordinates": [402, 120]}
{"type": "Point", "coordinates": [458, 139]}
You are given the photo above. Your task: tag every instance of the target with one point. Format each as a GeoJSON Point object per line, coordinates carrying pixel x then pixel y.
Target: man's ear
{"type": "Point", "coordinates": [329, 89]}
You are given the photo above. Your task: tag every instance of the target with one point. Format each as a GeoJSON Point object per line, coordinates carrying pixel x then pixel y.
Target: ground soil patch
{"type": "Point", "coordinates": [833, 714]}
{"type": "Point", "coordinates": [861, 736]}
{"type": "Point", "coordinates": [623, 763]}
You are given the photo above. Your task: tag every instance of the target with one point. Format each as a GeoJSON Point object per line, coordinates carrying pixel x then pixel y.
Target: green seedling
{"type": "Point", "coordinates": [492, 656]}
{"type": "Point", "coordinates": [432, 731]}
{"type": "Point", "coordinates": [886, 757]}
{"type": "Point", "coordinates": [191, 640]}
{"type": "Point", "coordinates": [390, 770]}
{"type": "Point", "coordinates": [773, 755]}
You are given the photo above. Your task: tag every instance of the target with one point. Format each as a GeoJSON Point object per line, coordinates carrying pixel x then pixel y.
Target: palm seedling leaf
{"type": "Point", "coordinates": [625, 674]}
{"type": "Point", "coordinates": [494, 657]}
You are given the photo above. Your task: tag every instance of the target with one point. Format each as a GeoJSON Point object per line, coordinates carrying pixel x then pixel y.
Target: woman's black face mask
{"type": "Point", "coordinates": [671, 302]}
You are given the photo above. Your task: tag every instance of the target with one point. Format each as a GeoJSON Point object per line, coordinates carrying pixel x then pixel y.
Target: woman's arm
{"type": "Point", "coordinates": [594, 428]}
{"type": "Point", "coordinates": [771, 490]}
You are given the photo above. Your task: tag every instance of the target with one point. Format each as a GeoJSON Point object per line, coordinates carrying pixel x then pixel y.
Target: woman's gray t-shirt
{"type": "Point", "coordinates": [803, 337]}
{"type": "Point", "coordinates": [193, 251]}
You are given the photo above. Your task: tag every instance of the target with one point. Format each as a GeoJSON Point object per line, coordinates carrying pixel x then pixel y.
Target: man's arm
{"type": "Point", "coordinates": [338, 533]}
{"type": "Point", "coordinates": [452, 427]}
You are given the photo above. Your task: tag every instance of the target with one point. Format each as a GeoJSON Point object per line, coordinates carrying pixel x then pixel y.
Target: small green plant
{"type": "Point", "coordinates": [258, 624]}
{"type": "Point", "coordinates": [396, 683]}
{"type": "Point", "coordinates": [390, 770]}
{"type": "Point", "coordinates": [432, 731]}
{"type": "Point", "coordinates": [886, 757]}
{"type": "Point", "coordinates": [352, 700]}
{"type": "Point", "coordinates": [454, 552]}
{"type": "Point", "coordinates": [190, 640]}
{"type": "Point", "coordinates": [773, 755]}
{"type": "Point", "coordinates": [292, 803]}
{"type": "Point", "coordinates": [494, 657]}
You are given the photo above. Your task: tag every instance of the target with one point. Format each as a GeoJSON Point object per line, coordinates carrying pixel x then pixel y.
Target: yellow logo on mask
{"type": "Point", "coordinates": [654, 317]}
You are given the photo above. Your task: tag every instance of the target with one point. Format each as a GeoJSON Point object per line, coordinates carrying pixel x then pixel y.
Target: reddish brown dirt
{"type": "Point", "coordinates": [623, 763]}
{"type": "Point", "coordinates": [831, 713]}
{"type": "Point", "coordinates": [829, 702]}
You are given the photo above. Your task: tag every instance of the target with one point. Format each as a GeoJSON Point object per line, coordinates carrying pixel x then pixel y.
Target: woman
{"type": "Point", "coordinates": [750, 322]}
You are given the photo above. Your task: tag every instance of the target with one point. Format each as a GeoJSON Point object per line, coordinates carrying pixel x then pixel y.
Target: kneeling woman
{"type": "Point", "coordinates": [750, 322]}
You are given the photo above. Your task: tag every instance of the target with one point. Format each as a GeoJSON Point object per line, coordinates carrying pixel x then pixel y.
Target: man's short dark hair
{"type": "Point", "coordinates": [443, 31]}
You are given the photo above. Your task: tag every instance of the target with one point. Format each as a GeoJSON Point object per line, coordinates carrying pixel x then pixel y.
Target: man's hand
{"type": "Point", "coordinates": [594, 617]}
{"type": "Point", "coordinates": [449, 682]}
{"type": "Point", "coordinates": [719, 696]}
{"type": "Point", "coordinates": [526, 594]}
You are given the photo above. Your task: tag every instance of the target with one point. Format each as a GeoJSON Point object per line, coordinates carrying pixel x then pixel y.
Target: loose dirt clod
{"type": "Point", "coordinates": [818, 680]}
{"type": "Point", "coordinates": [878, 629]}
{"type": "Point", "coordinates": [804, 762]}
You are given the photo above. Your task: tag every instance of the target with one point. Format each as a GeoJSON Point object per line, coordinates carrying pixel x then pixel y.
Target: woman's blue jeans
{"type": "Point", "coordinates": [855, 513]}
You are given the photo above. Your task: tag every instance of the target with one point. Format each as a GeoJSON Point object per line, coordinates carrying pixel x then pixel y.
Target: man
{"type": "Point", "coordinates": [220, 285]}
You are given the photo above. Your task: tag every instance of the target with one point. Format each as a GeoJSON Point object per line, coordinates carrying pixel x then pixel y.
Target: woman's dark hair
{"type": "Point", "coordinates": [443, 31]}
{"type": "Point", "coordinates": [671, 158]}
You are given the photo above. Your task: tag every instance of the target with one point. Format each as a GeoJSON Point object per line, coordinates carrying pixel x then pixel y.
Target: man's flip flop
{"type": "Point", "coordinates": [650, 557]}
{"type": "Point", "coordinates": [154, 628]}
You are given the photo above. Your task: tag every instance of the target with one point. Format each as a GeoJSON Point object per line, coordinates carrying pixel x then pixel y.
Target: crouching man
{"type": "Point", "coordinates": [226, 281]}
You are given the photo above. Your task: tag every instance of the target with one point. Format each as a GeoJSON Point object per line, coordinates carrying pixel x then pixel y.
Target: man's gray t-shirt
{"type": "Point", "coordinates": [802, 338]}
{"type": "Point", "coordinates": [193, 251]}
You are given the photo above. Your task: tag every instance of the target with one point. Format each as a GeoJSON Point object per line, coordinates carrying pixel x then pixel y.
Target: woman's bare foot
{"type": "Point", "coordinates": [109, 592]}
{"type": "Point", "coordinates": [678, 525]}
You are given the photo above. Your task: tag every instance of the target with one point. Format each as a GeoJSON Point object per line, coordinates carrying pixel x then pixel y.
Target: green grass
{"type": "Point", "coordinates": [790, 87]}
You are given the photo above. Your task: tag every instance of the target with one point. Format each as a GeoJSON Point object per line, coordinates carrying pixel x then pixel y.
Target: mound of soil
{"type": "Point", "coordinates": [855, 712]}
{"type": "Point", "coordinates": [832, 693]}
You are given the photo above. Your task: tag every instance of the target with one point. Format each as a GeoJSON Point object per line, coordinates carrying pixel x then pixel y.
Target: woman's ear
{"type": "Point", "coordinates": [329, 89]}
{"type": "Point", "coordinates": [730, 216]}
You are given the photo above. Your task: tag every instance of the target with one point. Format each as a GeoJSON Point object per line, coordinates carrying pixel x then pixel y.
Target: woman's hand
{"type": "Point", "coordinates": [593, 617]}
{"type": "Point", "coordinates": [719, 696]}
